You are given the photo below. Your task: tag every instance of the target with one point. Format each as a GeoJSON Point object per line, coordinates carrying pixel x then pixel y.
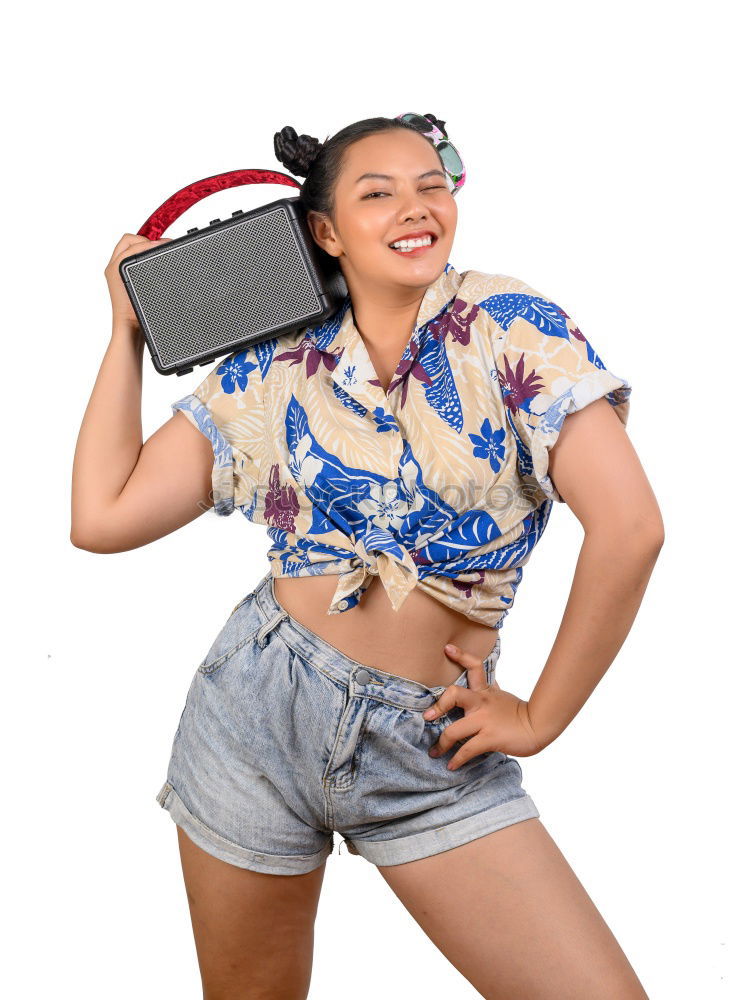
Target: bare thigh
{"type": "Point", "coordinates": [254, 933]}
{"type": "Point", "coordinates": [510, 914]}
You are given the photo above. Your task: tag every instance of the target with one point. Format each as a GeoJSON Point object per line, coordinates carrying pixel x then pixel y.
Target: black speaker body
{"type": "Point", "coordinates": [234, 283]}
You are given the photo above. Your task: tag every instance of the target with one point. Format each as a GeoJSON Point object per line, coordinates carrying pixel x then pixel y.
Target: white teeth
{"type": "Point", "coordinates": [407, 245]}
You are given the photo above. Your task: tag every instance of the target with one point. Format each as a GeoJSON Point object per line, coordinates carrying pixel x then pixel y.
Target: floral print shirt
{"type": "Point", "coordinates": [440, 483]}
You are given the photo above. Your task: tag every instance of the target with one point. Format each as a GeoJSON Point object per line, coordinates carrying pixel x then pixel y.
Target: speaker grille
{"type": "Point", "coordinates": [231, 283]}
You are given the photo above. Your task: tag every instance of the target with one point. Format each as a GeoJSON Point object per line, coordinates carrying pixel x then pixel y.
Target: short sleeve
{"type": "Point", "coordinates": [228, 408]}
{"type": "Point", "coordinates": [546, 369]}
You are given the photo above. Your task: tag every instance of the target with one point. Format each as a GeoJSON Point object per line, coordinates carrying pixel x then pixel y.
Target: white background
{"type": "Point", "coordinates": [596, 141]}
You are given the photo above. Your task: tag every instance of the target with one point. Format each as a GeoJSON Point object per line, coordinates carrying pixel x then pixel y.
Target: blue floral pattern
{"type": "Point", "coordinates": [440, 481]}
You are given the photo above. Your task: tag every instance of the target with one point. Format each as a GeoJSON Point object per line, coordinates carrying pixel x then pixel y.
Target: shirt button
{"type": "Point", "coordinates": [342, 604]}
{"type": "Point", "coordinates": [363, 677]}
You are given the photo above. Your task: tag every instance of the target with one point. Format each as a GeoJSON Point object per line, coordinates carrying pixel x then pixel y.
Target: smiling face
{"type": "Point", "coordinates": [412, 195]}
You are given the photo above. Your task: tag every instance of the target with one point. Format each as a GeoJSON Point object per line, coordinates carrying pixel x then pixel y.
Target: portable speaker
{"type": "Point", "coordinates": [230, 284]}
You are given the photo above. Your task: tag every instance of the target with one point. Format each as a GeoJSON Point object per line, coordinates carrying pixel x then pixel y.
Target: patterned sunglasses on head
{"type": "Point", "coordinates": [454, 167]}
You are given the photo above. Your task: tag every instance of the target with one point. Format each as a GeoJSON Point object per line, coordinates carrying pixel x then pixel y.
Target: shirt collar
{"type": "Point", "coordinates": [334, 334]}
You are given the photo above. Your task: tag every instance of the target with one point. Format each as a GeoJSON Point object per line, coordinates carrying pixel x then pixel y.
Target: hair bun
{"type": "Point", "coordinates": [296, 152]}
{"type": "Point", "coordinates": [438, 122]}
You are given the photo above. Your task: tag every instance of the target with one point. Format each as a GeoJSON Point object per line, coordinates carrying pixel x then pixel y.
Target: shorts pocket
{"type": "Point", "coordinates": [240, 604]}
{"type": "Point", "coordinates": [242, 624]}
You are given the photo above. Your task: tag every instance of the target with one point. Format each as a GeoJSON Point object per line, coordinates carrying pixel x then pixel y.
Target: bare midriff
{"type": "Point", "coordinates": [408, 642]}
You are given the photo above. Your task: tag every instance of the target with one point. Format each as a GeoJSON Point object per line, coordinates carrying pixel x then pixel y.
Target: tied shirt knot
{"type": "Point", "coordinates": [377, 554]}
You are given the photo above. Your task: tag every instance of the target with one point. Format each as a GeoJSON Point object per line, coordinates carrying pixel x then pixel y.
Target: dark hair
{"type": "Point", "coordinates": [321, 162]}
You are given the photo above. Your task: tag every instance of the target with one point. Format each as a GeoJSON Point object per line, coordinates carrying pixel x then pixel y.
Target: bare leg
{"type": "Point", "coordinates": [510, 914]}
{"type": "Point", "coordinates": [254, 933]}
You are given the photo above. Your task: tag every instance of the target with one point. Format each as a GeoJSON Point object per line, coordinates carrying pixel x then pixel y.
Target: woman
{"type": "Point", "coordinates": [409, 438]}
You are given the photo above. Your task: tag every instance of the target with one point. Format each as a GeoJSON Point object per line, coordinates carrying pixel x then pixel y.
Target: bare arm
{"type": "Point", "coordinates": [624, 533]}
{"type": "Point", "coordinates": [126, 493]}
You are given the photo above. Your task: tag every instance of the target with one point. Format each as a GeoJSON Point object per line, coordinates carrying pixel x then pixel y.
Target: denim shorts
{"type": "Point", "coordinates": [285, 740]}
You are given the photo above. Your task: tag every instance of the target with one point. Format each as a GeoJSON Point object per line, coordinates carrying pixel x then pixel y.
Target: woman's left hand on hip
{"type": "Point", "coordinates": [494, 719]}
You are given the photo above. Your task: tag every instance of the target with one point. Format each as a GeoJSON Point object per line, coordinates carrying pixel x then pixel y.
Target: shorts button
{"type": "Point", "coordinates": [363, 677]}
{"type": "Point", "coordinates": [342, 604]}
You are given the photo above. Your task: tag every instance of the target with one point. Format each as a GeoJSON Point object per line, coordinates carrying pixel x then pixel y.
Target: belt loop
{"type": "Point", "coordinates": [263, 631]}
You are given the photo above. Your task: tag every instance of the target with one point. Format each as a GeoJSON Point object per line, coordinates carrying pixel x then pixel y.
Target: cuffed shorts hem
{"type": "Point", "coordinates": [234, 854]}
{"type": "Point", "coordinates": [444, 838]}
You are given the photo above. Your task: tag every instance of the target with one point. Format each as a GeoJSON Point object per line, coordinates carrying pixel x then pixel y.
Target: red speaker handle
{"type": "Point", "coordinates": [178, 203]}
